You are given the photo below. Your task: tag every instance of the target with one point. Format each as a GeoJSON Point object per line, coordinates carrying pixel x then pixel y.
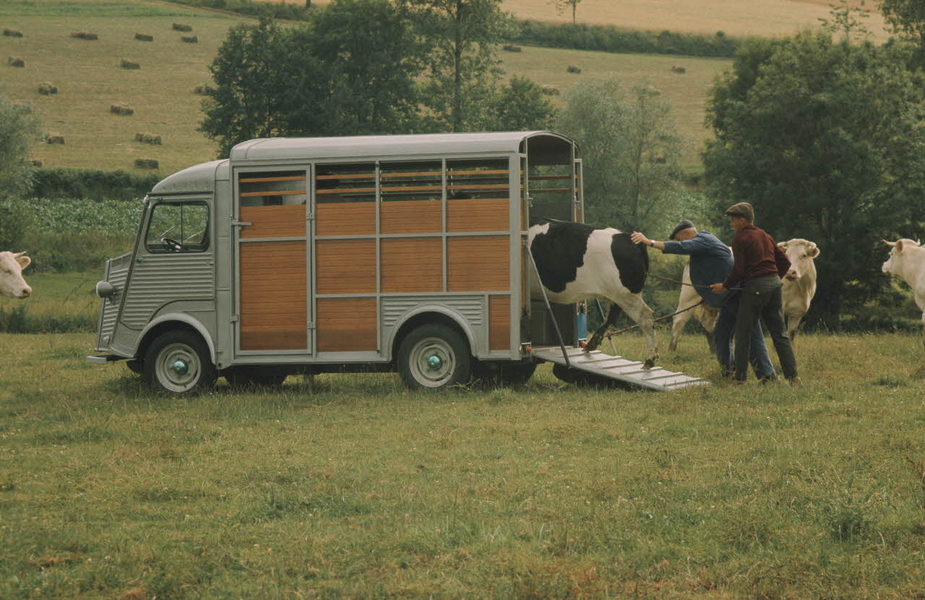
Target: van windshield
{"type": "Point", "coordinates": [178, 227]}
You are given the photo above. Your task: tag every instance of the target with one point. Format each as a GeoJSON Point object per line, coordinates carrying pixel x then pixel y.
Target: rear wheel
{"type": "Point", "coordinates": [434, 357]}
{"type": "Point", "coordinates": [177, 362]}
{"type": "Point", "coordinates": [506, 374]}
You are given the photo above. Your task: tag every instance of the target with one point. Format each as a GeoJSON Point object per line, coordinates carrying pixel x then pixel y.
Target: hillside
{"type": "Point", "coordinates": [161, 94]}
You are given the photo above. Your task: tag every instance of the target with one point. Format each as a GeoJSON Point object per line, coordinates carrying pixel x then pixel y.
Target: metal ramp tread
{"type": "Point", "coordinates": [618, 368]}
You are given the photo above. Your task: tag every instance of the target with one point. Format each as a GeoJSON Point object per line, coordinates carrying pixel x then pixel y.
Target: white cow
{"type": "Point", "coordinates": [799, 282]}
{"type": "Point", "coordinates": [12, 284]}
{"type": "Point", "coordinates": [705, 313]}
{"type": "Point", "coordinates": [907, 261]}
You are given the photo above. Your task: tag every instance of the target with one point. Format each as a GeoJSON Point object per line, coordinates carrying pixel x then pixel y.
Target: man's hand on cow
{"type": "Point", "coordinates": [639, 238]}
{"type": "Point", "coordinates": [718, 288]}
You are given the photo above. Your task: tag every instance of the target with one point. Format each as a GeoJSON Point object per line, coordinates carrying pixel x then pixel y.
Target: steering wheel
{"type": "Point", "coordinates": [171, 244]}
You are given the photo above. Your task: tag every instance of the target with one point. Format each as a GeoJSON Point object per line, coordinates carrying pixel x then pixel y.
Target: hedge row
{"type": "Point", "coordinates": [581, 36]}
{"type": "Point", "coordinates": [282, 10]}
{"type": "Point", "coordinates": [85, 183]}
{"type": "Point", "coordinates": [607, 38]}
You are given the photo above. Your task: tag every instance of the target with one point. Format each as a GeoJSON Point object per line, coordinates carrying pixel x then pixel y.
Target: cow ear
{"type": "Point", "coordinates": [813, 251]}
{"type": "Point", "coordinates": [899, 246]}
{"type": "Point", "coordinates": [782, 246]}
{"type": "Point", "coordinates": [23, 260]}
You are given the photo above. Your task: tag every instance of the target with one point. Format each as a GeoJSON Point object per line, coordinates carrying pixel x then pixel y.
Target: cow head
{"type": "Point", "coordinates": [893, 265]}
{"type": "Point", "coordinates": [801, 254]}
{"type": "Point", "coordinates": [12, 284]}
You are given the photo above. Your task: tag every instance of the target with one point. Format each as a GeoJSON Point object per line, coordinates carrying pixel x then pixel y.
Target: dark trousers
{"type": "Point", "coordinates": [761, 298]}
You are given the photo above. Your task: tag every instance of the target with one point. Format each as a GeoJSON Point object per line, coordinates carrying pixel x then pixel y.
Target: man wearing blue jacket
{"type": "Point", "coordinates": [711, 261]}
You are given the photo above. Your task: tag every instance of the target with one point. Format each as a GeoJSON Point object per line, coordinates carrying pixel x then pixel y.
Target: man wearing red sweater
{"type": "Point", "coordinates": [757, 268]}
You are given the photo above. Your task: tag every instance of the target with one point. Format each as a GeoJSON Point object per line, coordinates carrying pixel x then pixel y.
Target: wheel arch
{"type": "Point", "coordinates": [169, 322]}
{"type": "Point", "coordinates": [426, 315]}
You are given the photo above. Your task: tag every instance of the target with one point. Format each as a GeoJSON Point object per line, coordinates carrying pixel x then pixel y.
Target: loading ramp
{"type": "Point", "coordinates": [601, 365]}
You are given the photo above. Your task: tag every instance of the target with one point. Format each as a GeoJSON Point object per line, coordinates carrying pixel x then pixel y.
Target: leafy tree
{"type": "Point", "coordinates": [907, 17]}
{"type": "Point", "coordinates": [563, 5]}
{"type": "Point", "coordinates": [370, 59]}
{"type": "Point", "coordinates": [19, 129]}
{"type": "Point", "coordinates": [631, 152]}
{"type": "Point", "coordinates": [825, 140]}
{"type": "Point", "coordinates": [521, 106]}
{"type": "Point", "coordinates": [350, 70]}
{"type": "Point", "coordinates": [462, 37]}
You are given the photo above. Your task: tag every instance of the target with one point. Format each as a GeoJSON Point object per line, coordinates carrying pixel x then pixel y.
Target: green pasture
{"type": "Point", "coordinates": [351, 486]}
{"type": "Point", "coordinates": [90, 80]}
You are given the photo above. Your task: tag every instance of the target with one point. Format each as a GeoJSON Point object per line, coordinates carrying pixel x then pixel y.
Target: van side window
{"type": "Point", "coordinates": [178, 228]}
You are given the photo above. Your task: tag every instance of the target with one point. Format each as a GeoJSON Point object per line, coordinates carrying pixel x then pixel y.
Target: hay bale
{"type": "Point", "coordinates": [202, 90]}
{"type": "Point", "coordinates": [511, 48]}
{"type": "Point", "coordinates": [182, 27]}
{"type": "Point", "coordinates": [679, 70]}
{"type": "Point", "coordinates": [128, 64]}
{"type": "Point", "coordinates": [573, 69]}
{"type": "Point", "coordinates": [37, 163]}
{"type": "Point", "coordinates": [47, 89]}
{"type": "Point", "coordinates": [12, 32]}
{"type": "Point", "coordinates": [15, 61]}
{"type": "Point", "coordinates": [53, 138]}
{"type": "Point", "coordinates": [121, 109]}
{"type": "Point", "coordinates": [550, 90]}
{"type": "Point", "coordinates": [190, 39]}
{"type": "Point", "coordinates": [144, 37]}
{"type": "Point", "coordinates": [148, 138]}
{"type": "Point", "coordinates": [146, 163]}
{"type": "Point", "coordinates": [84, 35]}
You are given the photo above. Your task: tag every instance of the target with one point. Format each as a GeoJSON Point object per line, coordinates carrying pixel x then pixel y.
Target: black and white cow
{"type": "Point", "coordinates": [578, 262]}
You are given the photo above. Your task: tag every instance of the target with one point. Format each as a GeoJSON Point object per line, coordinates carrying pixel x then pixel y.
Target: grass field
{"type": "Point", "coordinates": [90, 80]}
{"type": "Point", "coordinates": [350, 486]}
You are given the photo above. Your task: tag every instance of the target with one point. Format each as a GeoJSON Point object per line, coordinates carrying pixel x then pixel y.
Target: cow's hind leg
{"type": "Point", "coordinates": [677, 327]}
{"type": "Point", "coordinates": [637, 310]}
{"type": "Point", "coordinates": [612, 315]}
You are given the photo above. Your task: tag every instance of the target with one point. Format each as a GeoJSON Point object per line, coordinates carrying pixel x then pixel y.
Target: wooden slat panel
{"type": "Point", "coordinates": [477, 214]}
{"type": "Point", "coordinates": [499, 186]}
{"type": "Point", "coordinates": [345, 218]}
{"type": "Point", "coordinates": [411, 188]}
{"type": "Point", "coordinates": [270, 179]}
{"type": "Point", "coordinates": [272, 193]}
{"type": "Point", "coordinates": [411, 216]}
{"type": "Point", "coordinates": [499, 322]}
{"type": "Point", "coordinates": [345, 266]}
{"type": "Point", "coordinates": [346, 324]}
{"type": "Point", "coordinates": [478, 264]}
{"type": "Point", "coordinates": [368, 190]}
{"type": "Point", "coordinates": [477, 172]}
{"type": "Point", "coordinates": [412, 265]}
{"type": "Point", "coordinates": [409, 174]}
{"type": "Point", "coordinates": [346, 176]}
{"type": "Point", "coordinates": [274, 297]}
{"type": "Point", "coordinates": [286, 220]}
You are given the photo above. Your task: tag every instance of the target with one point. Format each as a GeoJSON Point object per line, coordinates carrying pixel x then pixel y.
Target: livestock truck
{"type": "Point", "coordinates": [398, 253]}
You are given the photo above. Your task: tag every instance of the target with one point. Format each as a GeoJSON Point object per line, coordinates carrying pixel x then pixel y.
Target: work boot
{"type": "Point", "coordinates": [772, 378]}
{"type": "Point", "coordinates": [795, 381]}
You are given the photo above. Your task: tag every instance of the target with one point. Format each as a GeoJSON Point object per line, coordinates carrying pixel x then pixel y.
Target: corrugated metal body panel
{"type": "Point", "coordinates": [117, 272]}
{"type": "Point", "coordinates": [384, 146]}
{"type": "Point", "coordinates": [471, 308]}
{"type": "Point", "coordinates": [157, 280]}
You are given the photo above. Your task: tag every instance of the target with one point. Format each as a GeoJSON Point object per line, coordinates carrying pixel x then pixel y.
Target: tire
{"type": "Point", "coordinates": [243, 377]}
{"type": "Point", "coordinates": [178, 362]}
{"type": "Point", "coordinates": [434, 357]}
{"type": "Point", "coordinates": [136, 366]}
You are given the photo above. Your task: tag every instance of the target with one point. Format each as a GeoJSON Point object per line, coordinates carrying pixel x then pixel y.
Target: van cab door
{"type": "Point", "coordinates": [273, 261]}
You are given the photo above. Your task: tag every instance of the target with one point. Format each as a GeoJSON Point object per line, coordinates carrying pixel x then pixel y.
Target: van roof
{"type": "Point", "coordinates": [358, 147]}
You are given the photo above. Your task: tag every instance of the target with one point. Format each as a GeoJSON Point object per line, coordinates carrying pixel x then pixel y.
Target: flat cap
{"type": "Point", "coordinates": [685, 224]}
{"type": "Point", "coordinates": [742, 209]}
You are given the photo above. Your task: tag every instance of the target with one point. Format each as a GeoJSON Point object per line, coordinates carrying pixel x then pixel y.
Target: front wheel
{"type": "Point", "coordinates": [434, 357]}
{"type": "Point", "coordinates": [178, 362]}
